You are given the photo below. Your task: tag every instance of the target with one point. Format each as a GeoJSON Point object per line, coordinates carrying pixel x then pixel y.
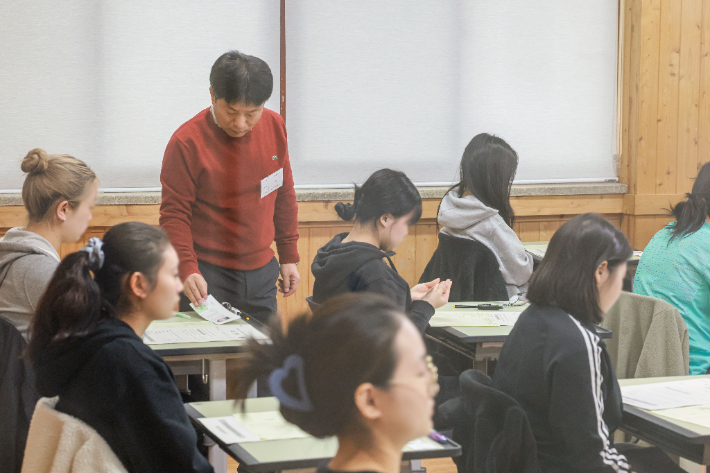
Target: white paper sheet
{"type": "Point", "coordinates": [463, 318]}
{"type": "Point", "coordinates": [215, 312]}
{"type": "Point", "coordinates": [505, 318]}
{"type": "Point", "coordinates": [423, 443]}
{"type": "Point", "coordinates": [668, 395]}
{"type": "Point", "coordinates": [228, 429]}
{"type": "Point", "coordinates": [269, 425]}
{"type": "Point", "coordinates": [200, 334]}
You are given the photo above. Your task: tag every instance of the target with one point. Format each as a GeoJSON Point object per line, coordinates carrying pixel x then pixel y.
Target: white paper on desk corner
{"type": "Point", "coordinates": [667, 395]}
{"type": "Point", "coordinates": [201, 334]}
{"type": "Point", "coordinates": [228, 429]}
{"type": "Point", "coordinates": [214, 311]}
{"type": "Point", "coordinates": [467, 318]}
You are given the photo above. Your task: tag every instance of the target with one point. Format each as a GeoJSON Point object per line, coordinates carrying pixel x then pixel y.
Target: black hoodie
{"type": "Point", "coordinates": [354, 267]}
{"type": "Point", "coordinates": [116, 384]}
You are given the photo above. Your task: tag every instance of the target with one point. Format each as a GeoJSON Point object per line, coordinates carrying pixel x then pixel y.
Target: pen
{"type": "Point", "coordinates": [436, 436]}
{"type": "Point", "coordinates": [479, 306]}
{"type": "Point", "coordinates": [182, 316]}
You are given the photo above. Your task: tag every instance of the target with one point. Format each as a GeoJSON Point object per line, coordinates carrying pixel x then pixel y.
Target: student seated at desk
{"type": "Point", "coordinates": [478, 208]}
{"type": "Point", "coordinates": [675, 267]}
{"type": "Point", "coordinates": [554, 364]}
{"type": "Point", "coordinates": [383, 209]}
{"type": "Point", "coordinates": [86, 348]}
{"type": "Point", "coordinates": [356, 369]}
{"type": "Point", "coordinates": [58, 194]}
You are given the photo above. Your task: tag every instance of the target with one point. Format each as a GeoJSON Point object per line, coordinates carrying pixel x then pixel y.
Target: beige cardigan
{"type": "Point", "coordinates": [649, 338]}
{"type": "Point", "coordinates": [60, 443]}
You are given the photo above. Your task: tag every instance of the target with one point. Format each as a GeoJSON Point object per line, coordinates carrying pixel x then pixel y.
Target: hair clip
{"type": "Point", "coordinates": [96, 254]}
{"type": "Point", "coordinates": [277, 377]}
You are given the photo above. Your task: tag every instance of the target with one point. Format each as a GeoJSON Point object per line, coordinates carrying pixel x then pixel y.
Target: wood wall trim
{"type": "Point", "coordinates": [650, 204]}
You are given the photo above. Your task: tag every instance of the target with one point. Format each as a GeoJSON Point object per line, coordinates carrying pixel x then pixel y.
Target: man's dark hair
{"type": "Point", "coordinates": [237, 77]}
{"type": "Point", "coordinates": [565, 277]}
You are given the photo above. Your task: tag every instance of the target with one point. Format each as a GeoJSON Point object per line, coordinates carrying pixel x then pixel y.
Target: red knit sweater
{"type": "Point", "coordinates": [211, 206]}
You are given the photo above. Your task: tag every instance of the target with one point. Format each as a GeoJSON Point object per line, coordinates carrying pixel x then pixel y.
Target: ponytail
{"type": "Point", "coordinates": [72, 304]}
{"type": "Point", "coordinates": [316, 365]}
{"type": "Point", "coordinates": [385, 192]}
{"type": "Point", "coordinates": [75, 302]}
{"type": "Point", "coordinates": [690, 214]}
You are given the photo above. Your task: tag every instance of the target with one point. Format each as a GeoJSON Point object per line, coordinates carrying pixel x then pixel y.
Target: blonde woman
{"type": "Point", "coordinates": [58, 194]}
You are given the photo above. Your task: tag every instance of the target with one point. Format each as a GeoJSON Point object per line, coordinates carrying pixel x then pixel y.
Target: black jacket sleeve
{"type": "Point", "coordinates": [419, 312]}
{"type": "Point", "coordinates": [576, 406]}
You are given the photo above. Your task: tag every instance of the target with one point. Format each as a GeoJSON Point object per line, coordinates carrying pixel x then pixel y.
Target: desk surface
{"type": "Point", "coordinates": [473, 335]}
{"type": "Point", "coordinates": [201, 348]}
{"type": "Point", "coordinates": [272, 455]}
{"type": "Point", "coordinates": [688, 440]}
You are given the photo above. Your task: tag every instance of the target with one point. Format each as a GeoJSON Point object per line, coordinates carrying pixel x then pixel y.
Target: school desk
{"type": "Point", "coordinates": [680, 438]}
{"type": "Point", "coordinates": [208, 359]}
{"type": "Point", "coordinates": [480, 344]}
{"type": "Point", "coordinates": [289, 454]}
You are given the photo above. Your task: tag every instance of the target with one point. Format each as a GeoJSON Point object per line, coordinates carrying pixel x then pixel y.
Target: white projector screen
{"type": "Point", "coordinates": [370, 84]}
{"type": "Point", "coordinates": [110, 81]}
{"type": "Point", "coordinates": [407, 85]}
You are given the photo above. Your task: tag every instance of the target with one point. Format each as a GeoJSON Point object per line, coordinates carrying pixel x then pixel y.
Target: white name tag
{"type": "Point", "coordinates": [272, 182]}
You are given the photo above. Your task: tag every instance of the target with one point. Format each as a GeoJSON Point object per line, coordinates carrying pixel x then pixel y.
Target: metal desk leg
{"type": "Point", "coordinates": [218, 392]}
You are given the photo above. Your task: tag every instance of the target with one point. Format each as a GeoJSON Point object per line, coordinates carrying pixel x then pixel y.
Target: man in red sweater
{"type": "Point", "coordinates": [228, 193]}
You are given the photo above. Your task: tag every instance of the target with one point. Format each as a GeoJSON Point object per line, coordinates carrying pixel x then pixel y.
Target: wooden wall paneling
{"type": "Point", "coordinates": [427, 241]}
{"type": "Point", "coordinates": [668, 79]}
{"type": "Point", "coordinates": [648, 97]}
{"type": "Point", "coordinates": [630, 81]}
{"type": "Point", "coordinates": [688, 93]}
{"type": "Point", "coordinates": [704, 108]}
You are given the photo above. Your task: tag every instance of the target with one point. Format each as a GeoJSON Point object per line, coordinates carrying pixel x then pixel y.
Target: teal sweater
{"type": "Point", "coordinates": [679, 273]}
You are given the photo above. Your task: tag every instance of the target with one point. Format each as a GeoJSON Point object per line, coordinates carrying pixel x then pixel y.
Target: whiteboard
{"type": "Point", "coordinates": [371, 83]}
{"type": "Point", "coordinates": [109, 82]}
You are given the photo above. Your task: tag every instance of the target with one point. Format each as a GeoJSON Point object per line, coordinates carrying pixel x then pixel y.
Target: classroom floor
{"type": "Point", "coordinates": [435, 465]}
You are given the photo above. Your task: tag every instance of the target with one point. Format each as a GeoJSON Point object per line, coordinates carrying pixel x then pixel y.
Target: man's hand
{"type": "Point", "coordinates": [289, 279]}
{"type": "Point", "coordinates": [195, 288]}
{"type": "Point", "coordinates": [420, 290]}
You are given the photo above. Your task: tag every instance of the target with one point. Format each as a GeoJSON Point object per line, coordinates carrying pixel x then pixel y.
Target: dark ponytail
{"type": "Point", "coordinates": [690, 214]}
{"type": "Point", "coordinates": [385, 192]}
{"type": "Point", "coordinates": [75, 302]}
{"type": "Point", "coordinates": [347, 341]}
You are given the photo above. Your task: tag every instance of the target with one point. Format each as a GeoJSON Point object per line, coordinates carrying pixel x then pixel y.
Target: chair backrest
{"type": "Point", "coordinates": [17, 397]}
{"type": "Point", "coordinates": [60, 443]}
{"type": "Point", "coordinates": [472, 268]}
{"type": "Point", "coordinates": [491, 427]}
{"type": "Point", "coordinates": [650, 338]}
{"type": "Point", "coordinates": [312, 304]}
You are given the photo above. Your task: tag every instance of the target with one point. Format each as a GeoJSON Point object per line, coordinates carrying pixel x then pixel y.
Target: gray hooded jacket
{"type": "Point", "coordinates": [27, 263]}
{"type": "Point", "coordinates": [470, 218]}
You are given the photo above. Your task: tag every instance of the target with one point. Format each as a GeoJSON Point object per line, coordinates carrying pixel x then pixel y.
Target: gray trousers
{"type": "Point", "coordinates": [253, 292]}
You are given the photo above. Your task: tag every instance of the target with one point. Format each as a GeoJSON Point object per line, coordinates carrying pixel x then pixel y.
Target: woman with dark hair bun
{"type": "Point", "coordinates": [554, 363]}
{"type": "Point", "coordinates": [478, 208]}
{"type": "Point", "coordinates": [86, 348]}
{"type": "Point", "coordinates": [356, 369]}
{"type": "Point", "coordinates": [675, 267]}
{"type": "Point", "coordinates": [383, 209]}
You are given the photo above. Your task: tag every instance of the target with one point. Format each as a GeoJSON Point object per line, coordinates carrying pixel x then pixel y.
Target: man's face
{"type": "Point", "coordinates": [238, 118]}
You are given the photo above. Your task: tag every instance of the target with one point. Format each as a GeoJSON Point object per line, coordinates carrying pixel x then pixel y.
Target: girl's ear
{"type": "Point", "coordinates": [61, 211]}
{"type": "Point", "coordinates": [139, 285]}
{"type": "Point", "coordinates": [602, 273]}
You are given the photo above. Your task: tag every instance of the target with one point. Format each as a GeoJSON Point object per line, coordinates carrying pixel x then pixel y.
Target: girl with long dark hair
{"type": "Point", "coordinates": [478, 208]}
{"type": "Point", "coordinates": [86, 348]}
{"type": "Point", "coordinates": [675, 267]}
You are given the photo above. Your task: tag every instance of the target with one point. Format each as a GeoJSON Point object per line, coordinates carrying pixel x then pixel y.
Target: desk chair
{"type": "Point", "coordinates": [311, 304]}
{"type": "Point", "coordinates": [17, 397]}
{"type": "Point", "coordinates": [650, 338]}
{"type": "Point", "coordinates": [471, 266]}
{"type": "Point", "coordinates": [491, 427]}
{"type": "Point", "coordinates": [60, 443]}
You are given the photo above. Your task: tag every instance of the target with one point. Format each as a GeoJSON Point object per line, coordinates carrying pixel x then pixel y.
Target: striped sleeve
{"type": "Point", "coordinates": [577, 408]}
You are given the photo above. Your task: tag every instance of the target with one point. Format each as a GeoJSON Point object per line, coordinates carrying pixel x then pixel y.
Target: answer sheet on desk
{"type": "Point", "coordinates": [463, 318]}
{"type": "Point", "coordinates": [505, 318]}
{"type": "Point", "coordinates": [228, 429]}
{"type": "Point", "coordinates": [200, 334]}
{"type": "Point", "coordinates": [269, 425]}
{"type": "Point", "coordinates": [668, 395]}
